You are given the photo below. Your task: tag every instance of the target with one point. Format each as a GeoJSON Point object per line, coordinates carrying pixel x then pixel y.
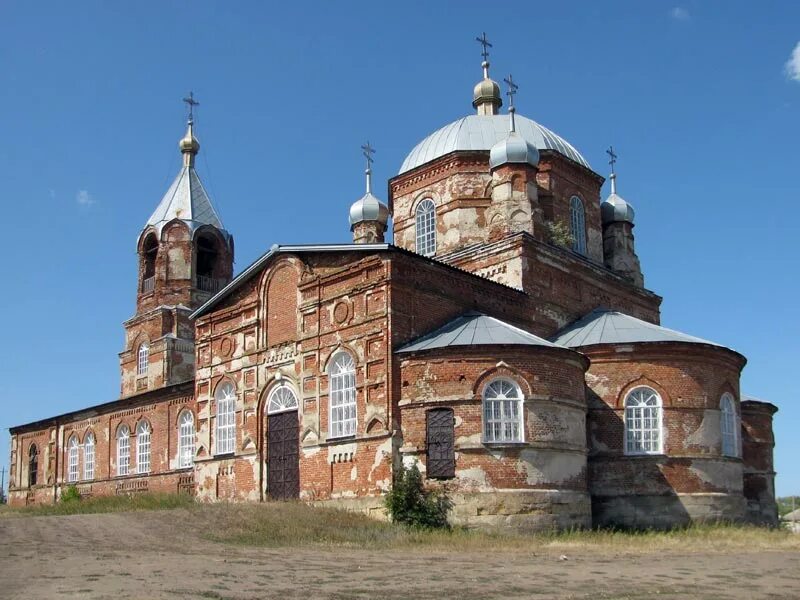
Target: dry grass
{"type": "Point", "coordinates": [294, 524]}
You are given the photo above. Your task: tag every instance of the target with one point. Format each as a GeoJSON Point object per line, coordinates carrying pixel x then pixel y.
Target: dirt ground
{"type": "Point", "coordinates": [156, 555]}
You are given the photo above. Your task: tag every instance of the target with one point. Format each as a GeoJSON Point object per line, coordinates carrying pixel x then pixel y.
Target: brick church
{"type": "Point", "coordinates": [505, 342]}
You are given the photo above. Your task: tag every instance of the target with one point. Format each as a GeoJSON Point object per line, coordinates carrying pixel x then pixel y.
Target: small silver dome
{"type": "Point", "coordinates": [368, 208]}
{"type": "Point", "coordinates": [513, 149]}
{"type": "Point", "coordinates": [615, 209]}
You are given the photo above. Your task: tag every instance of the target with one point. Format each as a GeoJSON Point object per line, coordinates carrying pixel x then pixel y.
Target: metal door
{"type": "Point", "coordinates": [441, 459]}
{"type": "Point", "coordinates": [283, 459]}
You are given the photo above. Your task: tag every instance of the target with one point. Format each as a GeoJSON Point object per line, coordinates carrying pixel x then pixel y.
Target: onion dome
{"type": "Point", "coordinates": [486, 95]}
{"type": "Point", "coordinates": [514, 148]}
{"type": "Point", "coordinates": [368, 207]}
{"type": "Point", "coordinates": [615, 209]}
{"type": "Point", "coordinates": [189, 145]}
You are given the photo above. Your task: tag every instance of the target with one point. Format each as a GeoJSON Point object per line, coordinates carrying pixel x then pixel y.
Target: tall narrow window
{"type": "Point", "coordinates": [123, 450]}
{"type": "Point", "coordinates": [502, 412]}
{"type": "Point", "coordinates": [150, 253]}
{"type": "Point", "coordinates": [88, 456]}
{"type": "Point", "coordinates": [143, 447]}
{"type": "Point", "coordinates": [643, 422]}
{"type": "Point", "coordinates": [33, 465]}
{"type": "Point", "coordinates": [577, 225]}
{"type": "Point", "coordinates": [186, 440]}
{"type": "Point", "coordinates": [342, 377]}
{"type": "Point", "coordinates": [226, 418]}
{"type": "Point", "coordinates": [728, 425]}
{"type": "Point", "coordinates": [440, 438]}
{"type": "Point", "coordinates": [426, 227]}
{"type": "Point", "coordinates": [143, 359]}
{"type": "Point", "coordinates": [72, 459]}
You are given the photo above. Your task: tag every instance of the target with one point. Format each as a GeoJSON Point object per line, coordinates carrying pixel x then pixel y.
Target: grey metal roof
{"type": "Point", "coordinates": [187, 200]}
{"type": "Point", "coordinates": [475, 329]}
{"type": "Point", "coordinates": [481, 132]}
{"type": "Point", "coordinates": [602, 326]}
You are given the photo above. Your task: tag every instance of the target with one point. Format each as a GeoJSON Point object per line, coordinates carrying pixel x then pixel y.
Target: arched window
{"type": "Point", "coordinates": [33, 465]}
{"type": "Point", "coordinates": [502, 412]}
{"type": "Point", "coordinates": [88, 456]}
{"type": "Point", "coordinates": [143, 359]}
{"type": "Point", "coordinates": [226, 418]}
{"type": "Point", "coordinates": [123, 450]}
{"type": "Point", "coordinates": [143, 447]}
{"type": "Point", "coordinates": [426, 228]}
{"type": "Point", "coordinates": [342, 377]}
{"type": "Point", "coordinates": [207, 258]}
{"type": "Point", "coordinates": [149, 254]}
{"type": "Point", "coordinates": [281, 399]}
{"type": "Point", "coordinates": [728, 425]}
{"type": "Point", "coordinates": [186, 440]}
{"type": "Point", "coordinates": [643, 422]}
{"type": "Point", "coordinates": [72, 459]}
{"type": "Point", "coordinates": [577, 228]}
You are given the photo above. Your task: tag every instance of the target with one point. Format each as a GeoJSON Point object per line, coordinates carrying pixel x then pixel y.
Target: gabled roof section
{"type": "Point", "coordinates": [256, 267]}
{"type": "Point", "coordinates": [603, 326]}
{"type": "Point", "coordinates": [475, 329]}
{"type": "Point", "coordinates": [187, 200]}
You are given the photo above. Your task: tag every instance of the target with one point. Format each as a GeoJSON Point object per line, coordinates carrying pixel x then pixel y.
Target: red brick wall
{"type": "Point", "coordinates": [759, 472]}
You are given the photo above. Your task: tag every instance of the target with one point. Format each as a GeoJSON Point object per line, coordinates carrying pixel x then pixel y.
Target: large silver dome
{"type": "Point", "coordinates": [482, 132]}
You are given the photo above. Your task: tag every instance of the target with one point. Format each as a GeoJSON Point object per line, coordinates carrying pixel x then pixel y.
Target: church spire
{"type": "Point", "coordinates": [189, 145]}
{"type": "Point", "coordinates": [368, 215]}
{"type": "Point", "coordinates": [486, 95]}
{"type": "Point", "coordinates": [613, 177]}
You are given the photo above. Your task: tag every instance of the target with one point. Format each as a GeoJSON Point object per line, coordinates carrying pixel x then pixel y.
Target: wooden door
{"type": "Point", "coordinates": [283, 456]}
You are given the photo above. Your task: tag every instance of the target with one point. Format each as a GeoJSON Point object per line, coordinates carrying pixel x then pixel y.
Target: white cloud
{"type": "Point", "coordinates": [793, 64]}
{"type": "Point", "coordinates": [84, 198]}
{"type": "Point", "coordinates": [52, 193]}
{"type": "Point", "coordinates": [680, 14]}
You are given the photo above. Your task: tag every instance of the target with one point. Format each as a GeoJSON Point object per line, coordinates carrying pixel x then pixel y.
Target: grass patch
{"type": "Point", "coordinates": [105, 504]}
{"type": "Point", "coordinates": [296, 524]}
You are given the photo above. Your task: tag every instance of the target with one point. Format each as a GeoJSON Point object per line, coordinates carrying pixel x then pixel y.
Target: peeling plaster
{"type": "Point", "coordinates": [544, 467]}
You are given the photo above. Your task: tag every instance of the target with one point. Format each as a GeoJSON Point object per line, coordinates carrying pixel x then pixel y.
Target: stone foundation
{"type": "Point", "coordinates": [667, 511]}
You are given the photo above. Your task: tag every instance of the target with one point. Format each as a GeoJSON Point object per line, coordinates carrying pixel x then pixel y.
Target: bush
{"type": "Point", "coordinates": [408, 501]}
{"type": "Point", "coordinates": [71, 494]}
{"type": "Point", "coordinates": [558, 234]}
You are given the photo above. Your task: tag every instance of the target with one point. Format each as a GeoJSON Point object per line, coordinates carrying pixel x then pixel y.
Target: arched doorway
{"type": "Point", "coordinates": [283, 445]}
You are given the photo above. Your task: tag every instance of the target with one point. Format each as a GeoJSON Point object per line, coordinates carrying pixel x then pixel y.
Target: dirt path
{"type": "Point", "coordinates": [157, 555]}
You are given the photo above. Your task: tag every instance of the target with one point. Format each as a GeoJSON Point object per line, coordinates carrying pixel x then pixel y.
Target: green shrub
{"type": "Point", "coordinates": [409, 503]}
{"type": "Point", "coordinates": [558, 234]}
{"type": "Point", "coordinates": [71, 494]}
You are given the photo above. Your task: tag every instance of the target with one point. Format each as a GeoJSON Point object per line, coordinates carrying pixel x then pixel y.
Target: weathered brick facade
{"type": "Point", "coordinates": [294, 380]}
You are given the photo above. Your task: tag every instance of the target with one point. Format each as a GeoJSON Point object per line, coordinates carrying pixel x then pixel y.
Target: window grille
{"type": "Point", "coordinates": [123, 450]}
{"type": "Point", "coordinates": [577, 225]}
{"type": "Point", "coordinates": [426, 227]}
{"type": "Point", "coordinates": [226, 419]}
{"type": "Point", "coordinates": [728, 422]}
{"type": "Point", "coordinates": [186, 440]}
{"type": "Point", "coordinates": [33, 465]}
{"type": "Point", "coordinates": [143, 359]}
{"type": "Point", "coordinates": [502, 412]}
{"type": "Point", "coordinates": [88, 457]}
{"type": "Point", "coordinates": [143, 447]}
{"type": "Point", "coordinates": [72, 459]}
{"type": "Point", "coordinates": [342, 376]}
{"type": "Point", "coordinates": [281, 399]}
{"type": "Point", "coordinates": [643, 422]}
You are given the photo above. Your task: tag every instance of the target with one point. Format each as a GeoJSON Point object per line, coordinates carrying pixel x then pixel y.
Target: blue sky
{"type": "Point", "coordinates": [695, 97]}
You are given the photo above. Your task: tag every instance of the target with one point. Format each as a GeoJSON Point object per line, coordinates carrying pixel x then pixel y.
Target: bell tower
{"type": "Point", "coordinates": [185, 257]}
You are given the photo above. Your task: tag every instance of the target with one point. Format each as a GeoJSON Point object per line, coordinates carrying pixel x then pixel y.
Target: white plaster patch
{"type": "Point", "coordinates": [548, 467]}
{"type": "Point", "coordinates": [381, 452]}
{"type": "Point", "coordinates": [708, 434]}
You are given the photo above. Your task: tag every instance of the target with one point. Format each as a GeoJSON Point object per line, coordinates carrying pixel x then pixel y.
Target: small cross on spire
{"type": "Point", "coordinates": [368, 151]}
{"type": "Point", "coordinates": [484, 41]}
{"type": "Point", "coordinates": [612, 159]}
{"type": "Point", "coordinates": [512, 89]}
{"type": "Point", "coordinates": [191, 103]}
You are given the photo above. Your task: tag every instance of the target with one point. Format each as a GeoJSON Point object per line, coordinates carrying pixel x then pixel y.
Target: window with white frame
{"type": "Point", "coordinates": [728, 425]}
{"type": "Point", "coordinates": [426, 227]}
{"type": "Point", "coordinates": [577, 225]}
{"type": "Point", "coordinates": [143, 359]}
{"type": "Point", "coordinates": [88, 456]}
{"type": "Point", "coordinates": [72, 459]}
{"type": "Point", "coordinates": [281, 399]}
{"type": "Point", "coordinates": [123, 450]}
{"type": "Point", "coordinates": [643, 422]}
{"type": "Point", "coordinates": [225, 399]}
{"type": "Point", "coordinates": [143, 447]}
{"type": "Point", "coordinates": [186, 440]}
{"type": "Point", "coordinates": [342, 378]}
{"type": "Point", "coordinates": [502, 412]}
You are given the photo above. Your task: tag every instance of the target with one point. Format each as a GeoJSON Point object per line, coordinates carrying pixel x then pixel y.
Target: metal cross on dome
{"type": "Point", "coordinates": [484, 41]}
{"type": "Point", "coordinates": [191, 103]}
{"type": "Point", "coordinates": [512, 89]}
{"type": "Point", "coordinates": [613, 157]}
{"type": "Point", "coordinates": [368, 152]}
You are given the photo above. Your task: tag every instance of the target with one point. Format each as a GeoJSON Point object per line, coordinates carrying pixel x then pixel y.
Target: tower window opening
{"type": "Point", "coordinates": [207, 265]}
{"type": "Point", "coordinates": [150, 253]}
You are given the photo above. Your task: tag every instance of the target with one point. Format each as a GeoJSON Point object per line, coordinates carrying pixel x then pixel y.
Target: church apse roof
{"type": "Point", "coordinates": [603, 326]}
{"type": "Point", "coordinates": [475, 329]}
